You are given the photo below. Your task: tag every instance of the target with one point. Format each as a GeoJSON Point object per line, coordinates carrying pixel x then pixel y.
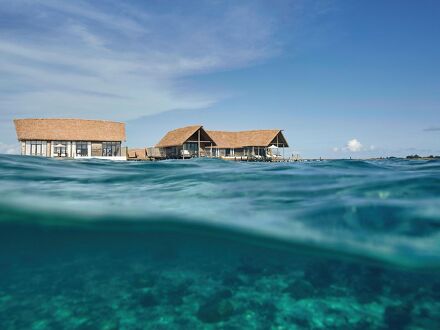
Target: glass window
{"type": "Point", "coordinates": [111, 149]}
{"type": "Point", "coordinates": [36, 148]}
{"type": "Point", "coordinates": [82, 149]}
{"type": "Point", "coordinates": [227, 152]}
{"type": "Point", "coordinates": [260, 151]}
{"type": "Point", "coordinates": [192, 147]}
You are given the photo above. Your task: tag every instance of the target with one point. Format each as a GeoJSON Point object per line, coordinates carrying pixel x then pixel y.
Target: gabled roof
{"type": "Point", "coordinates": [178, 136]}
{"type": "Point", "coordinates": [225, 139]}
{"type": "Point", "coordinates": [255, 138]}
{"type": "Point", "coordinates": [50, 129]}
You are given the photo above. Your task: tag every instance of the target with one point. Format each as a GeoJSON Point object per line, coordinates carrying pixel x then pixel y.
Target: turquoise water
{"type": "Point", "coordinates": [209, 244]}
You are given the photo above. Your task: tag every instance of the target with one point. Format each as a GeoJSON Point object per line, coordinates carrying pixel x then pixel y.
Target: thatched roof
{"type": "Point", "coordinates": [224, 139]}
{"type": "Point", "coordinates": [254, 138]}
{"type": "Point", "coordinates": [69, 130]}
{"type": "Point", "coordinates": [179, 136]}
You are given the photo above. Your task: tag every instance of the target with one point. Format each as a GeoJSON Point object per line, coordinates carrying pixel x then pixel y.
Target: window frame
{"type": "Point", "coordinates": [82, 146]}
{"type": "Point", "coordinates": [192, 147]}
{"type": "Point", "coordinates": [63, 150]}
{"type": "Point", "coordinates": [111, 149]}
{"type": "Point", "coordinates": [34, 145]}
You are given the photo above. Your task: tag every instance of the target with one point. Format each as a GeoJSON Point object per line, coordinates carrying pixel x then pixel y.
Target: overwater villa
{"type": "Point", "coordinates": [259, 144]}
{"type": "Point", "coordinates": [71, 138]}
{"type": "Point", "coordinates": [185, 142]}
{"type": "Point", "coordinates": [195, 141]}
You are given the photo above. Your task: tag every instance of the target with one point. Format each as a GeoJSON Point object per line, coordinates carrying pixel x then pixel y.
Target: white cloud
{"type": "Point", "coordinates": [354, 145]}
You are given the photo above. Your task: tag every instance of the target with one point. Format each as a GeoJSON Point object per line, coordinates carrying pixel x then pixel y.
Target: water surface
{"type": "Point", "coordinates": [207, 243]}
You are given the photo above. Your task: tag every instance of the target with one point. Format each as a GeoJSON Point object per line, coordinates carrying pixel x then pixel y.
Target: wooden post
{"type": "Point", "coordinates": [198, 142]}
{"type": "Point", "coordinates": [278, 144]}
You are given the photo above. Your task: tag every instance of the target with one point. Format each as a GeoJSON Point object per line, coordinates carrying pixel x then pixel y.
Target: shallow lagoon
{"type": "Point", "coordinates": [208, 244]}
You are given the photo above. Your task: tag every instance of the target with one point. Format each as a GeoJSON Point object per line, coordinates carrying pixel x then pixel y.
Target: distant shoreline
{"type": "Point", "coordinates": [375, 158]}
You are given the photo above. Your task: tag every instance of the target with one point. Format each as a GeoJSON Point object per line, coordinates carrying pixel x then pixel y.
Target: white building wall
{"type": "Point", "coordinates": [44, 148]}
{"type": "Point", "coordinates": [73, 151]}
{"type": "Point", "coordinates": [69, 149]}
{"type": "Point", "coordinates": [27, 148]}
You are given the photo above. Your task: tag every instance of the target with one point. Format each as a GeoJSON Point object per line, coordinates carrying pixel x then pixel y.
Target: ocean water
{"type": "Point", "coordinates": [210, 244]}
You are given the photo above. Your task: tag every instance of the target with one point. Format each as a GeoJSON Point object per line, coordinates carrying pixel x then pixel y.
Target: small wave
{"type": "Point", "coordinates": [385, 210]}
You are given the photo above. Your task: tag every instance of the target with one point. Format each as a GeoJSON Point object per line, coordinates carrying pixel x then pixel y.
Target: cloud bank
{"type": "Point", "coordinates": [432, 129]}
{"type": "Point", "coordinates": [120, 60]}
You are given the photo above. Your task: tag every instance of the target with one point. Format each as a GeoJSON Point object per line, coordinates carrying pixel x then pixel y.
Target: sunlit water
{"type": "Point", "coordinates": [206, 243]}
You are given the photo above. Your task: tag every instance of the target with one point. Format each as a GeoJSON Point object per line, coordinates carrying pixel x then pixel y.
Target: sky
{"type": "Point", "coordinates": [341, 78]}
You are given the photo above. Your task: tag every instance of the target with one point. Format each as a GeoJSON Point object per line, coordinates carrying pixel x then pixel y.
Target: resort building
{"type": "Point", "coordinates": [71, 138]}
{"type": "Point", "coordinates": [195, 141]}
{"type": "Point", "coordinates": [185, 142]}
{"type": "Point", "coordinates": [260, 144]}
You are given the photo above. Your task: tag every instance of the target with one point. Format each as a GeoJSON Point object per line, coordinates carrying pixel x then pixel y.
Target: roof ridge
{"type": "Point", "coordinates": [81, 119]}
{"type": "Point", "coordinates": [249, 130]}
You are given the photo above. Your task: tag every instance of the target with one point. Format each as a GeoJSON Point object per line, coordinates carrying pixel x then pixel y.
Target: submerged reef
{"type": "Point", "coordinates": [209, 284]}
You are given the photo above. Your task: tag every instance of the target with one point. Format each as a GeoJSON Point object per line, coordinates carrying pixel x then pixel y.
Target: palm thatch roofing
{"type": "Point", "coordinates": [179, 136]}
{"type": "Point", "coordinates": [61, 129]}
{"type": "Point", "coordinates": [253, 138]}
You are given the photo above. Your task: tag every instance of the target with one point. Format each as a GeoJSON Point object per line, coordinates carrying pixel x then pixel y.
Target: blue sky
{"type": "Point", "coordinates": [342, 78]}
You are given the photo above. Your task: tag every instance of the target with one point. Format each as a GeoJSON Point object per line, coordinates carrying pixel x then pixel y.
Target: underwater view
{"type": "Point", "coordinates": [212, 244]}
